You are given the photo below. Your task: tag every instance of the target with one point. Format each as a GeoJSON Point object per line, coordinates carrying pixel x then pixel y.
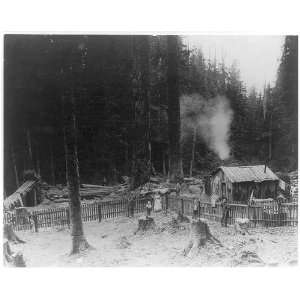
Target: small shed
{"type": "Point", "coordinates": [25, 195]}
{"type": "Point", "coordinates": [237, 183]}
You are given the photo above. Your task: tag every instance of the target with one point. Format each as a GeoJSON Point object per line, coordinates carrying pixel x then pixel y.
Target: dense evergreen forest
{"type": "Point", "coordinates": [127, 120]}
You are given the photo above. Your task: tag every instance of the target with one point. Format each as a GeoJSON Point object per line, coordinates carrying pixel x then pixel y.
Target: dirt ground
{"type": "Point", "coordinates": [116, 244]}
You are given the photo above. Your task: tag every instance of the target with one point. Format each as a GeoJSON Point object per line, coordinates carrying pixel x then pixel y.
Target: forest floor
{"type": "Point", "coordinates": [116, 244]}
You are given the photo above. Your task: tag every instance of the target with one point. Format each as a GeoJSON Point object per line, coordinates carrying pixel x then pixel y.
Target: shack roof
{"type": "Point", "coordinates": [248, 173]}
{"type": "Point", "coordinates": [16, 198]}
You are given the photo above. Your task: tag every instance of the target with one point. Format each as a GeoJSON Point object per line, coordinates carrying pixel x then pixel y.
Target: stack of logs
{"type": "Point", "coordinates": [87, 191]}
{"type": "Point", "coordinates": [294, 185]}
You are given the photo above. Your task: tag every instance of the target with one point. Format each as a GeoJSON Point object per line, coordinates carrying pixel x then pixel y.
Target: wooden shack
{"type": "Point", "coordinates": [237, 183]}
{"type": "Point", "coordinates": [26, 195]}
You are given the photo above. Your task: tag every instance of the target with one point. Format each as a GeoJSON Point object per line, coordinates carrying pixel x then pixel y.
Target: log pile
{"type": "Point", "coordinates": [59, 194]}
{"type": "Point", "coordinates": [294, 185]}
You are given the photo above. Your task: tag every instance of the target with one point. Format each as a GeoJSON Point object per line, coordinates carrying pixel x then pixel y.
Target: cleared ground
{"type": "Point", "coordinates": [116, 244]}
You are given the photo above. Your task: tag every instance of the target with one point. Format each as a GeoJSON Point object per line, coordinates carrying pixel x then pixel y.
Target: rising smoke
{"type": "Point", "coordinates": [211, 118]}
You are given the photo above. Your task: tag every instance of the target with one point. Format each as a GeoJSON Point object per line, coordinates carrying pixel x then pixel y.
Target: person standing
{"type": "Point", "coordinates": [131, 203]}
{"type": "Point", "coordinates": [195, 208]}
{"type": "Point", "coordinates": [225, 211]}
{"type": "Point", "coordinates": [148, 208]}
{"type": "Point", "coordinates": [202, 198]}
{"type": "Point", "coordinates": [178, 189]}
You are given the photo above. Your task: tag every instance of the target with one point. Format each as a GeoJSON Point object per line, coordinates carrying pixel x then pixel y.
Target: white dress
{"type": "Point", "coordinates": [157, 203]}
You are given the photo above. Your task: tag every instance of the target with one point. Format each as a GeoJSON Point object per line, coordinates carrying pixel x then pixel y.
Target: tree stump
{"type": "Point", "coordinates": [199, 235]}
{"type": "Point", "coordinates": [10, 235]}
{"type": "Point", "coordinates": [182, 218]}
{"type": "Point", "coordinates": [241, 225]}
{"type": "Point", "coordinates": [11, 258]}
{"type": "Point", "coordinates": [145, 223]}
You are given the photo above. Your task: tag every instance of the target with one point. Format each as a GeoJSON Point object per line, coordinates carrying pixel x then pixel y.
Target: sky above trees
{"type": "Point", "coordinates": [257, 57]}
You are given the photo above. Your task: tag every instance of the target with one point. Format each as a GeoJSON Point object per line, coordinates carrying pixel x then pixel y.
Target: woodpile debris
{"type": "Point", "coordinates": [247, 257]}
{"type": "Point", "coordinates": [59, 193]}
{"type": "Point", "coordinates": [294, 185]}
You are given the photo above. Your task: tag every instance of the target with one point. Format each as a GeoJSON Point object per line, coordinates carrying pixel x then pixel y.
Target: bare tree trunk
{"type": "Point", "coordinates": [126, 159]}
{"type": "Point", "coordinates": [270, 137]}
{"type": "Point", "coordinates": [38, 165]}
{"type": "Point", "coordinates": [29, 149]}
{"type": "Point", "coordinates": [145, 85]}
{"type": "Point", "coordinates": [72, 170]}
{"type": "Point", "coordinates": [35, 198]}
{"type": "Point", "coordinates": [134, 117]}
{"type": "Point", "coordinates": [193, 151]}
{"type": "Point", "coordinates": [52, 165]}
{"type": "Point", "coordinates": [13, 156]}
{"type": "Point", "coordinates": [164, 165]}
{"type": "Point", "coordinates": [79, 242]}
{"type": "Point", "coordinates": [175, 169]}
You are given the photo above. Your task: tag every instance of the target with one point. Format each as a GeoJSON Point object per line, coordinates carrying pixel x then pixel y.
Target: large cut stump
{"type": "Point", "coordinates": [10, 235]}
{"type": "Point", "coordinates": [182, 218]}
{"type": "Point", "coordinates": [13, 259]}
{"type": "Point", "coordinates": [145, 223]}
{"type": "Point", "coordinates": [199, 235]}
{"type": "Point", "coordinates": [241, 225]}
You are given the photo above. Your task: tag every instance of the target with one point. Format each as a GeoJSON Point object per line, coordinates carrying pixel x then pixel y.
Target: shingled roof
{"type": "Point", "coordinates": [248, 173]}
{"type": "Point", "coordinates": [16, 199]}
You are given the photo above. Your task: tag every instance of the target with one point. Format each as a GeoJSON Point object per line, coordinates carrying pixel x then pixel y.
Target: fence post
{"type": "Point", "coordinates": [99, 212]}
{"type": "Point", "coordinates": [34, 218]}
{"type": "Point", "coordinates": [182, 206]}
{"type": "Point", "coordinates": [167, 202]}
{"type": "Point", "coordinates": [247, 211]}
{"type": "Point", "coordinates": [68, 216]}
